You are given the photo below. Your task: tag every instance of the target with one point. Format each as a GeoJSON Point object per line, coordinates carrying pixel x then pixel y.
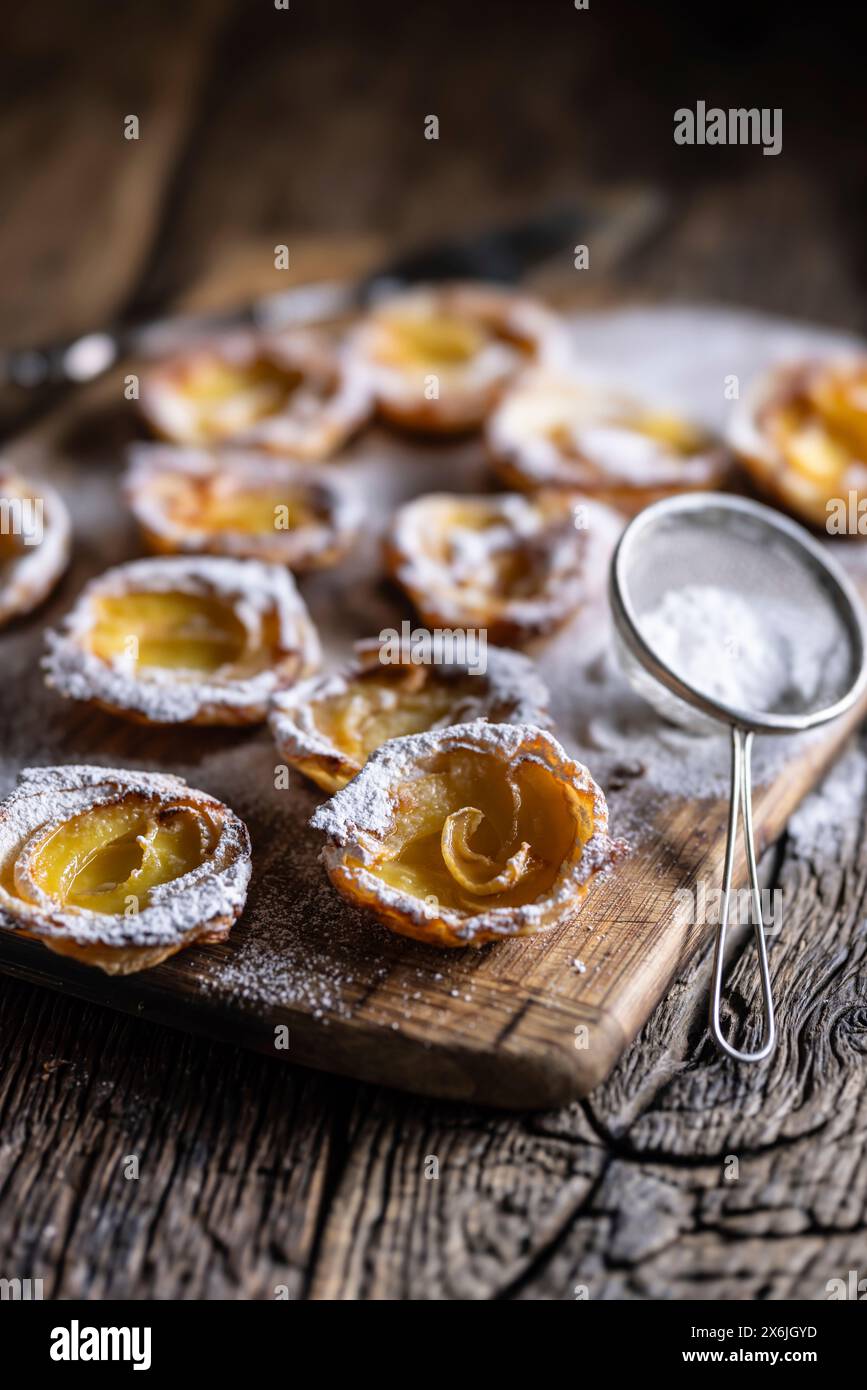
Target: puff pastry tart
{"type": "Point", "coordinates": [244, 504]}
{"type": "Point", "coordinates": [35, 538]}
{"type": "Point", "coordinates": [556, 430]}
{"type": "Point", "coordinates": [439, 358]}
{"type": "Point", "coordinates": [328, 727]}
{"type": "Point", "coordinates": [119, 869]}
{"type": "Point", "coordinates": [801, 432]}
{"type": "Point", "coordinates": [184, 640]}
{"type": "Point", "coordinates": [471, 834]}
{"type": "Point", "coordinates": [289, 393]}
{"type": "Point", "coordinates": [514, 565]}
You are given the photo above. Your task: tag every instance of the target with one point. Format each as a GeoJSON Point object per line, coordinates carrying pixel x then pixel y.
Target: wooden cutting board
{"type": "Point", "coordinates": [527, 1023]}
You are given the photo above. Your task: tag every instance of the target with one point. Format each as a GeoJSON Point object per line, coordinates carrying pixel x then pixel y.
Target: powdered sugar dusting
{"type": "Point", "coordinates": [45, 798]}
{"type": "Point", "coordinates": [510, 685]}
{"type": "Point", "coordinates": [358, 817]}
{"type": "Point", "coordinates": [255, 591]}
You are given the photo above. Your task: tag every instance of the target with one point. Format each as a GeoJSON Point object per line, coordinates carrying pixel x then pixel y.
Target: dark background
{"type": "Point", "coordinates": [261, 126]}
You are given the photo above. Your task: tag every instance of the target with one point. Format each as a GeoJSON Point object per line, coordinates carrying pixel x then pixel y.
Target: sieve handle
{"type": "Point", "coordinates": [740, 798]}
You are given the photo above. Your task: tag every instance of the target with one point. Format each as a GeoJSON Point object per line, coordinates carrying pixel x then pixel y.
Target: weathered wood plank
{"type": "Point", "coordinates": [255, 1175]}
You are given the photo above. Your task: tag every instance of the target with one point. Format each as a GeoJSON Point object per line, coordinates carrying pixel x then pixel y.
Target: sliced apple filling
{"type": "Point", "coordinates": [383, 706]}
{"type": "Point", "coordinates": [802, 434]}
{"type": "Point", "coordinates": [821, 431]}
{"type": "Point", "coordinates": [110, 858]}
{"type": "Point", "coordinates": [224, 397]}
{"type": "Point", "coordinates": [562, 431]}
{"type": "Point", "coordinates": [176, 631]}
{"type": "Point", "coordinates": [328, 727]}
{"type": "Point", "coordinates": [290, 393]}
{"type": "Point", "coordinates": [119, 869]}
{"type": "Point", "coordinates": [437, 341]}
{"type": "Point", "coordinates": [199, 640]}
{"type": "Point", "coordinates": [240, 503]}
{"type": "Point", "coordinates": [472, 835]}
{"type": "Point", "coordinates": [515, 566]}
{"type": "Point", "coordinates": [492, 832]}
{"type": "Point", "coordinates": [256, 511]}
{"type": "Point", "coordinates": [439, 358]}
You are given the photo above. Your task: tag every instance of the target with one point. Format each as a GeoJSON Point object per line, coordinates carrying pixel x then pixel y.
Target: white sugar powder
{"type": "Point", "coordinates": [760, 654]}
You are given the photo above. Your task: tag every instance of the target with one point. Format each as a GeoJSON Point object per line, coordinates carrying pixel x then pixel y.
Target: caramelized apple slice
{"type": "Point", "coordinates": [439, 358]}
{"type": "Point", "coordinates": [559, 430]}
{"type": "Point", "coordinates": [119, 869]}
{"type": "Point", "coordinates": [515, 566]}
{"type": "Point", "coordinates": [241, 504]}
{"type": "Point", "coordinates": [801, 432]}
{"type": "Point", "coordinates": [184, 640]}
{"type": "Point", "coordinates": [469, 834]}
{"type": "Point", "coordinates": [328, 727]}
{"type": "Point", "coordinates": [291, 394]}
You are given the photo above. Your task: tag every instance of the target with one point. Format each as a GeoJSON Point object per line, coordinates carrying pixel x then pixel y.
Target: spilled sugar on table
{"type": "Point", "coordinates": [304, 976]}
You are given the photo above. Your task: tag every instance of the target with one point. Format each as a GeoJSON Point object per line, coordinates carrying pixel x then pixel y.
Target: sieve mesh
{"type": "Point", "coordinates": [738, 604]}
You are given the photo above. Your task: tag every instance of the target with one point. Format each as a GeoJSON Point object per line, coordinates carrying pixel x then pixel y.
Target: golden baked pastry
{"type": "Point", "coordinates": [470, 834]}
{"type": "Point", "coordinates": [328, 727]}
{"type": "Point", "coordinates": [119, 869]}
{"type": "Point", "coordinates": [801, 432]}
{"type": "Point", "coordinates": [439, 358]}
{"type": "Point", "coordinates": [514, 565]}
{"type": "Point", "coordinates": [289, 393]}
{"type": "Point", "coordinates": [184, 640]}
{"type": "Point", "coordinates": [557, 430]}
{"type": "Point", "coordinates": [35, 540]}
{"type": "Point", "coordinates": [245, 504]}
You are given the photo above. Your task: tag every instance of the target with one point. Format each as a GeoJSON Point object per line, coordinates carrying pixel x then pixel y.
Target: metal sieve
{"type": "Point", "coordinates": [763, 558]}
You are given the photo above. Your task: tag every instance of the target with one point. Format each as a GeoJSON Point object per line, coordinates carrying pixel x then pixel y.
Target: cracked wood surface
{"type": "Point", "coordinates": [257, 1180]}
{"type": "Point", "coordinates": [255, 1176]}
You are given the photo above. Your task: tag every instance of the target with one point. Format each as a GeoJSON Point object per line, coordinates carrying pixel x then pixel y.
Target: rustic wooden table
{"type": "Point", "coordinates": [260, 126]}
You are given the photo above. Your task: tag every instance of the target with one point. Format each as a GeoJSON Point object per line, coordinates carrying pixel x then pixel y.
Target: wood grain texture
{"type": "Point", "coordinates": [256, 1177]}
{"type": "Point", "coordinates": [88, 202]}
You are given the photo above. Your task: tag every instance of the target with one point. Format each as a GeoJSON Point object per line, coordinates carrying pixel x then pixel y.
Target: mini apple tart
{"type": "Point", "coordinates": [439, 358]}
{"type": "Point", "coordinates": [514, 565]}
{"type": "Point", "coordinates": [243, 504]}
{"type": "Point", "coordinates": [801, 432]}
{"type": "Point", "coordinates": [184, 640]}
{"type": "Point", "coordinates": [288, 393]}
{"type": "Point", "coordinates": [119, 869]}
{"type": "Point", "coordinates": [557, 430]}
{"type": "Point", "coordinates": [466, 835]}
{"type": "Point", "coordinates": [35, 539]}
{"type": "Point", "coordinates": [328, 727]}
